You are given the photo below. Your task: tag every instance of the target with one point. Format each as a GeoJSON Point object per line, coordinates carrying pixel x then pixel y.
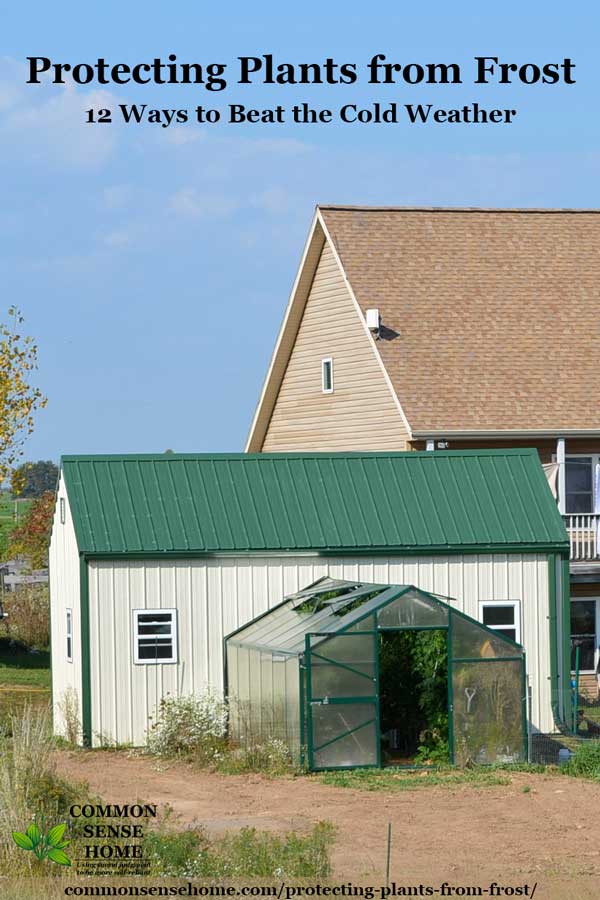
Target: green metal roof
{"type": "Point", "coordinates": [327, 502]}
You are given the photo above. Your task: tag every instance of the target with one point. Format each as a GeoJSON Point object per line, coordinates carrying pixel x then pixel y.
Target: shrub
{"type": "Point", "coordinates": [254, 854]}
{"type": "Point", "coordinates": [270, 757]}
{"type": "Point", "coordinates": [30, 789]}
{"type": "Point", "coordinates": [31, 538]}
{"type": "Point", "coordinates": [248, 853]}
{"type": "Point", "coordinates": [585, 762]}
{"type": "Point", "coordinates": [191, 725]}
{"type": "Point", "coordinates": [28, 616]}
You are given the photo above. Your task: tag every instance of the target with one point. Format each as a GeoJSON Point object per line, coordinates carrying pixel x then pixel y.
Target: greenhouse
{"type": "Point", "coordinates": [353, 674]}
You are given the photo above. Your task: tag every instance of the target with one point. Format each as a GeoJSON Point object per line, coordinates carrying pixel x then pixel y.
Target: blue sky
{"type": "Point", "coordinates": [153, 266]}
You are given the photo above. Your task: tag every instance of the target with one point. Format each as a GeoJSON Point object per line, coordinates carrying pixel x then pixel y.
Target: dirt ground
{"type": "Point", "coordinates": [463, 835]}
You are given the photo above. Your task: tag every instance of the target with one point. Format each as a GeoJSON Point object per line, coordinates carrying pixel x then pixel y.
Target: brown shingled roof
{"type": "Point", "coordinates": [491, 317]}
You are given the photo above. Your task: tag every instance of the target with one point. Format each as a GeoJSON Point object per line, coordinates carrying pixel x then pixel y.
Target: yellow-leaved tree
{"type": "Point", "coordinates": [19, 399]}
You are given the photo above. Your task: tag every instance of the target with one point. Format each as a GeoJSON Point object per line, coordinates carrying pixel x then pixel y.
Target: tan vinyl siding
{"type": "Point", "coordinates": [361, 413]}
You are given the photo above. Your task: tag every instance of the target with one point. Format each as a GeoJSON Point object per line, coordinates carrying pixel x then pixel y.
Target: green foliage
{"type": "Point", "coordinates": [393, 780]}
{"type": "Point", "coordinates": [585, 762]}
{"type": "Point", "coordinates": [31, 538]}
{"type": "Point", "coordinates": [11, 513]}
{"type": "Point", "coordinates": [19, 400]}
{"type": "Point", "coordinates": [32, 479]}
{"type": "Point", "coordinates": [246, 854]}
{"type": "Point", "coordinates": [28, 618]}
{"type": "Point", "coordinates": [413, 678]}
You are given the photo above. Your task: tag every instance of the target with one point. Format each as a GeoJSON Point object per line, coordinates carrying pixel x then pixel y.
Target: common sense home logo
{"type": "Point", "coordinates": [45, 846]}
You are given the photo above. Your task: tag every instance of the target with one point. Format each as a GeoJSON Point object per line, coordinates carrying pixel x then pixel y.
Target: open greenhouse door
{"type": "Point", "coordinates": [342, 701]}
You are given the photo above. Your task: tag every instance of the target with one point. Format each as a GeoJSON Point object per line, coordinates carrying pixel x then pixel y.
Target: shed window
{"type": "Point", "coordinates": [327, 375]}
{"type": "Point", "coordinates": [62, 511]}
{"type": "Point", "coordinates": [69, 631]}
{"type": "Point", "coordinates": [503, 616]}
{"type": "Point", "coordinates": [155, 635]}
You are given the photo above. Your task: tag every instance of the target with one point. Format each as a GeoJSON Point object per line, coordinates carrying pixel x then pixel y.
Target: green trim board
{"type": "Point", "coordinates": [86, 675]}
{"type": "Point", "coordinates": [566, 629]}
{"type": "Point", "coordinates": [327, 503]}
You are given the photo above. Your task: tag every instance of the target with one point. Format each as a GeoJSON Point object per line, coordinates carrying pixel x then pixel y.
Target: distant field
{"type": "Point", "coordinates": [11, 511]}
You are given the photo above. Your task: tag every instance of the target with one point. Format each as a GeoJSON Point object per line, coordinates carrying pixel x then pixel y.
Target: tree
{"type": "Point", "coordinates": [31, 538]}
{"type": "Point", "coordinates": [34, 479]}
{"type": "Point", "coordinates": [19, 400]}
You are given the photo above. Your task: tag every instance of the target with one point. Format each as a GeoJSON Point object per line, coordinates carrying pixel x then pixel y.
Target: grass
{"type": "Point", "coordinates": [32, 792]}
{"type": "Point", "coordinates": [408, 780]}
{"type": "Point", "coordinates": [248, 853]}
{"type": "Point", "coordinates": [8, 506]}
{"type": "Point", "coordinates": [21, 668]}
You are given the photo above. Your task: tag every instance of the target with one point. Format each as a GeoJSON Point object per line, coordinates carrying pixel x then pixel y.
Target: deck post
{"type": "Point", "coordinates": [562, 480]}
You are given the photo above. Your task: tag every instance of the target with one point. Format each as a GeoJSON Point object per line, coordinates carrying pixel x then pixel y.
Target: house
{"type": "Point", "coordinates": [154, 560]}
{"type": "Point", "coordinates": [421, 329]}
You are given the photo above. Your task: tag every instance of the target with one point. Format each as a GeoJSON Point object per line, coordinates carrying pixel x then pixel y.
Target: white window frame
{"type": "Point", "coordinates": [597, 635]}
{"type": "Point", "coordinates": [69, 633]}
{"type": "Point", "coordinates": [62, 508]}
{"type": "Point", "coordinates": [136, 637]}
{"type": "Point", "coordinates": [516, 627]}
{"type": "Point", "coordinates": [595, 458]}
{"type": "Point", "coordinates": [327, 361]}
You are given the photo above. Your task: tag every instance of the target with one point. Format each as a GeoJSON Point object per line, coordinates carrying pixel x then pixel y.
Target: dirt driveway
{"type": "Point", "coordinates": [539, 828]}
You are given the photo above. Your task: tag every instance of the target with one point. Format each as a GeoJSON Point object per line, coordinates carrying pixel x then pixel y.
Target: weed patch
{"type": "Point", "coordinates": [248, 854]}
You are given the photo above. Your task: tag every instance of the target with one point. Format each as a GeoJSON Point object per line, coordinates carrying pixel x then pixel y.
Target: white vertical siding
{"type": "Point", "coordinates": [64, 594]}
{"type": "Point", "coordinates": [214, 597]}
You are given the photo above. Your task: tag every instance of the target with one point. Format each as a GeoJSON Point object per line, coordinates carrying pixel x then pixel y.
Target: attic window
{"type": "Point", "coordinates": [327, 375]}
{"type": "Point", "coordinates": [155, 635]}
{"type": "Point", "coordinates": [62, 510]}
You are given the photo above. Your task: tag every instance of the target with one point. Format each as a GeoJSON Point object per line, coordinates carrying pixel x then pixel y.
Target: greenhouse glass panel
{"type": "Point", "coordinates": [413, 610]}
{"type": "Point", "coordinates": [343, 666]}
{"type": "Point", "coordinates": [471, 641]}
{"type": "Point", "coordinates": [292, 707]}
{"type": "Point", "coordinates": [344, 735]}
{"type": "Point", "coordinates": [489, 725]}
{"type": "Point", "coordinates": [369, 623]}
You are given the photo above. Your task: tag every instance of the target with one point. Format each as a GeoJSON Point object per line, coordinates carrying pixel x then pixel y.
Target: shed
{"type": "Point", "coordinates": [154, 559]}
{"type": "Point", "coordinates": [309, 672]}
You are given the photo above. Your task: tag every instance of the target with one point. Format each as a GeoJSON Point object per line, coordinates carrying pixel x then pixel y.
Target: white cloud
{"type": "Point", "coordinates": [48, 124]}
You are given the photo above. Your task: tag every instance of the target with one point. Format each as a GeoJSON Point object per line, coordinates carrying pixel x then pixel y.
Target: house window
{"type": "Point", "coordinates": [62, 510]}
{"type": "Point", "coordinates": [503, 616]}
{"type": "Point", "coordinates": [583, 634]}
{"type": "Point", "coordinates": [579, 484]}
{"type": "Point", "coordinates": [69, 630]}
{"type": "Point", "coordinates": [327, 375]}
{"type": "Point", "coordinates": [155, 635]}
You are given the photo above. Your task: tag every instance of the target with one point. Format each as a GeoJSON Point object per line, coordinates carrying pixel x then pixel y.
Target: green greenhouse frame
{"type": "Point", "coordinates": [307, 673]}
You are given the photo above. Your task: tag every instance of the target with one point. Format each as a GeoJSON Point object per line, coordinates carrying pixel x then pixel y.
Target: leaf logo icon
{"type": "Point", "coordinates": [44, 846]}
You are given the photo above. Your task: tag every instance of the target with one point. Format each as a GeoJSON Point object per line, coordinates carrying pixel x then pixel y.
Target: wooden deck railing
{"type": "Point", "coordinates": [583, 531]}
